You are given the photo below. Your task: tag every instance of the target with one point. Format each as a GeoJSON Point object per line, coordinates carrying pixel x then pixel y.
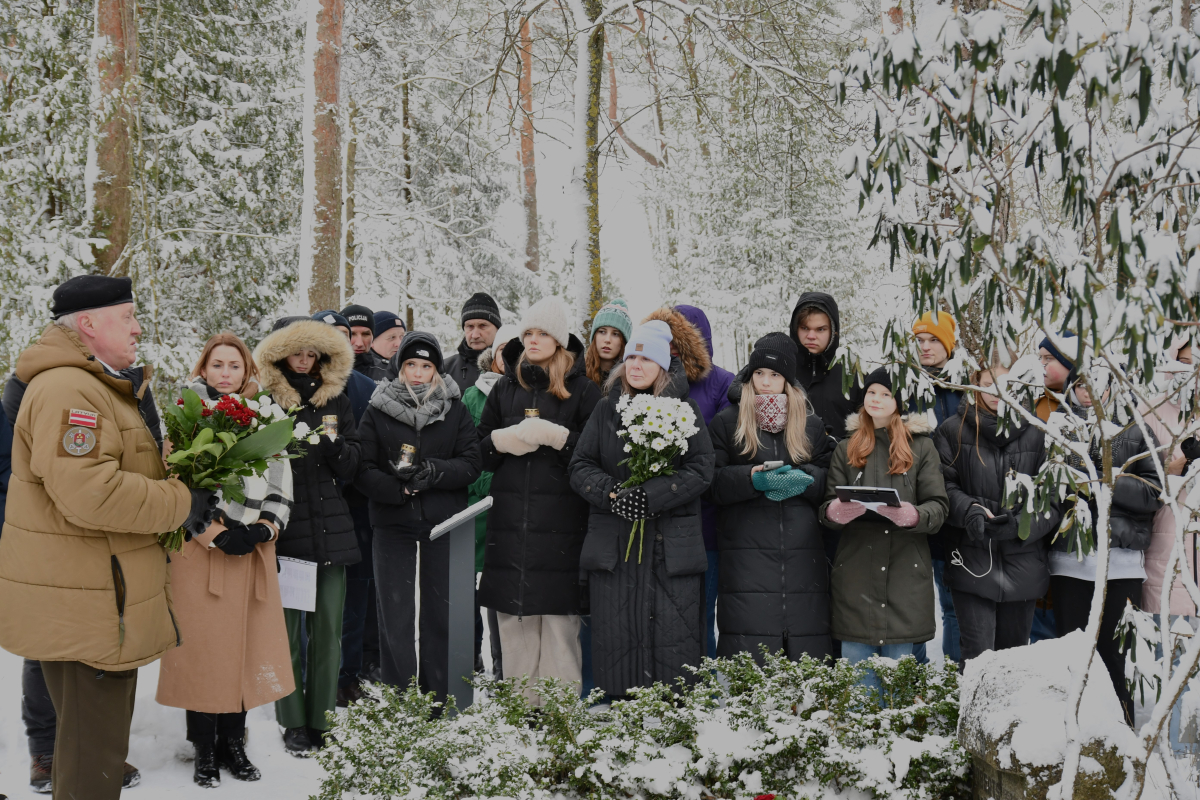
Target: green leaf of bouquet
{"type": "Point", "coordinates": [178, 456]}
{"type": "Point", "coordinates": [192, 405]}
{"type": "Point", "coordinates": [263, 443]}
{"type": "Point", "coordinates": [228, 438]}
{"type": "Point", "coordinates": [202, 440]}
{"type": "Point", "coordinates": [217, 450]}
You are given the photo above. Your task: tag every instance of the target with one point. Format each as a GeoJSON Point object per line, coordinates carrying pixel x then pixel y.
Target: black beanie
{"type": "Point", "coordinates": [418, 344]}
{"type": "Point", "coordinates": [481, 306]}
{"type": "Point", "coordinates": [879, 376]}
{"type": "Point", "coordinates": [359, 317]}
{"type": "Point", "coordinates": [283, 322]}
{"type": "Point", "coordinates": [332, 317]}
{"type": "Point", "coordinates": [775, 351]}
{"type": "Point", "coordinates": [85, 292]}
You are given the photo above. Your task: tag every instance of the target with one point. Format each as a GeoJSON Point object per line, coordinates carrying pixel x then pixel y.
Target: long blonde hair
{"type": "Point", "coordinates": [558, 367]}
{"type": "Point", "coordinates": [746, 435]}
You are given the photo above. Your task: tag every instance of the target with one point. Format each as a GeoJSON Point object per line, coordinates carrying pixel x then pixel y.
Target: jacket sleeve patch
{"type": "Point", "coordinates": [79, 442]}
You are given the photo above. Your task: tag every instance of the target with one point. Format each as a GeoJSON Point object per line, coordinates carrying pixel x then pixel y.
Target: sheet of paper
{"type": "Point", "coordinates": [298, 583]}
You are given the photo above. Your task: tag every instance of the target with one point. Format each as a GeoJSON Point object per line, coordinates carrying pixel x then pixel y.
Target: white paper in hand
{"type": "Point", "coordinates": [298, 583]}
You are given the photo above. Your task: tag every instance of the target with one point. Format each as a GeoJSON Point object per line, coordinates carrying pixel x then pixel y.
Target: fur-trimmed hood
{"type": "Point", "coordinates": [337, 360]}
{"type": "Point", "coordinates": [917, 424]}
{"type": "Point", "coordinates": [688, 341]}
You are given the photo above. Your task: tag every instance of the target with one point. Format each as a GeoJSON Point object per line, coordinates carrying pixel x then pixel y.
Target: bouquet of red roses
{"type": "Point", "coordinates": [215, 444]}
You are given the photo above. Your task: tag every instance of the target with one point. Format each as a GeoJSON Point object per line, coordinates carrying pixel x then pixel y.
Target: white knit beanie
{"type": "Point", "coordinates": [550, 315]}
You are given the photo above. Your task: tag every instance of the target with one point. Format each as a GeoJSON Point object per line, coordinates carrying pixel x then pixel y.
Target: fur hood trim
{"type": "Point", "coordinates": [337, 360]}
{"type": "Point", "coordinates": [486, 356]}
{"type": "Point", "coordinates": [917, 424]}
{"type": "Point", "coordinates": [688, 341]}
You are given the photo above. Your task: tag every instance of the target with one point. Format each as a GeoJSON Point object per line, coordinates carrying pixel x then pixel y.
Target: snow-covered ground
{"type": "Point", "coordinates": [156, 745]}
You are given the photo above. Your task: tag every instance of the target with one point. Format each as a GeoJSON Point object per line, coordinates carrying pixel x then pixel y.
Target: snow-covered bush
{"type": "Point", "coordinates": [801, 730]}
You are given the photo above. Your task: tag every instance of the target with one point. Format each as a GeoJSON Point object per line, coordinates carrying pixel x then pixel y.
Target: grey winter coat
{"type": "Point", "coordinates": [882, 577]}
{"type": "Point", "coordinates": [647, 618]}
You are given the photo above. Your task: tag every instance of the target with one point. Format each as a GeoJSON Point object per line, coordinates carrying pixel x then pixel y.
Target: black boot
{"type": "Point", "coordinates": [231, 754]}
{"type": "Point", "coordinates": [206, 774]}
{"type": "Point", "coordinates": [295, 741]}
{"type": "Point", "coordinates": [317, 738]}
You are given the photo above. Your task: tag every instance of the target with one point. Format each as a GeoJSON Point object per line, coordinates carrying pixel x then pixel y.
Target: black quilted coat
{"type": "Point", "coordinates": [536, 526]}
{"type": "Point", "coordinates": [647, 618]}
{"type": "Point", "coordinates": [774, 578]}
{"type": "Point", "coordinates": [976, 457]}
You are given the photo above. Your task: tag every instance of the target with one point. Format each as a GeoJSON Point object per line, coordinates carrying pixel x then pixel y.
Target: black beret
{"type": "Point", "coordinates": [85, 292]}
{"type": "Point", "coordinates": [359, 317]}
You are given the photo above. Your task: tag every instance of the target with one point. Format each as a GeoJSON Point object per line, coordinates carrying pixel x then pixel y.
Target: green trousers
{"type": "Point", "coordinates": [94, 711]}
{"type": "Point", "coordinates": [312, 699]}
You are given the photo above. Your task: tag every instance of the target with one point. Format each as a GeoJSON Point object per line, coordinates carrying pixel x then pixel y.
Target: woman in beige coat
{"type": "Point", "coordinates": [225, 584]}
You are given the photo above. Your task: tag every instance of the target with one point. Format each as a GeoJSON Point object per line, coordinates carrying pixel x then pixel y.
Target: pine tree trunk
{"type": "Point", "coordinates": [321, 245]}
{"type": "Point", "coordinates": [528, 162]}
{"type": "Point", "coordinates": [351, 152]}
{"type": "Point", "coordinates": [111, 196]}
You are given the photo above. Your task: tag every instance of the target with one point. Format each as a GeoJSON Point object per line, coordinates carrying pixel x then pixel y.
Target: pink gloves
{"type": "Point", "coordinates": [844, 513]}
{"type": "Point", "coordinates": [905, 516]}
{"type": "Point", "coordinates": [528, 435]}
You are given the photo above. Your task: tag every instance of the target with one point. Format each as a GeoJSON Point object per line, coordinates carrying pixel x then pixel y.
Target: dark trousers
{"type": "Point", "coordinates": [987, 625]}
{"type": "Point", "coordinates": [830, 539]}
{"type": "Point", "coordinates": [396, 585]}
{"type": "Point", "coordinates": [37, 710]}
{"type": "Point", "coordinates": [360, 631]}
{"type": "Point", "coordinates": [203, 727]}
{"type": "Point", "coordinates": [1073, 604]}
{"type": "Point", "coordinates": [317, 677]}
{"type": "Point", "coordinates": [710, 602]}
{"type": "Point", "coordinates": [94, 711]}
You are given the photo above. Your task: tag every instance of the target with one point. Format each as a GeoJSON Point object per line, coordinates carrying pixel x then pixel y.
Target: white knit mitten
{"type": "Point", "coordinates": [509, 440]}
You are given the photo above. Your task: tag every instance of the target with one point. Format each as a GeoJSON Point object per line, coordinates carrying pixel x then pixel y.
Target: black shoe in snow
{"type": "Point", "coordinates": [318, 739]}
{"type": "Point", "coordinates": [132, 776]}
{"type": "Point", "coordinates": [295, 741]}
{"type": "Point", "coordinates": [350, 693]}
{"type": "Point", "coordinates": [372, 673]}
{"type": "Point", "coordinates": [206, 773]}
{"type": "Point", "coordinates": [231, 754]}
{"type": "Point", "coordinates": [39, 773]}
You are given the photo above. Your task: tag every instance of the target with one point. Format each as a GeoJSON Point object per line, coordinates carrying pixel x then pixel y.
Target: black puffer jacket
{"type": "Point", "coordinates": [449, 444]}
{"type": "Point", "coordinates": [976, 457]}
{"type": "Point", "coordinates": [819, 375]}
{"type": "Point", "coordinates": [537, 524]}
{"type": "Point", "coordinates": [1135, 499]}
{"type": "Point", "coordinates": [320, 528]}
{"type": "Point", "coordinates": [774, 578]}
{"type": "Point", "coordinates": [371, 364]}
{"type": "Point", "coordinates": [463, 367]}
{"type": "Point", "coordinates": [647, 618]}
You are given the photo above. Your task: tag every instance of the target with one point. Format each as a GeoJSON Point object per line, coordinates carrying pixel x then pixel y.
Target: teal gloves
{"type": "Point", "coordinates": [782, 483]}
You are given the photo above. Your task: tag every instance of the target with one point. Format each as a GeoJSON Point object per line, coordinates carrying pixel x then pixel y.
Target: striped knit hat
{"type": "Point", "coordinates": [614, 314]}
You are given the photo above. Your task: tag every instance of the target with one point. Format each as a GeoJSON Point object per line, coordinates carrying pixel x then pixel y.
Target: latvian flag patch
{"type": "Point", "coordinates": [84, 419]}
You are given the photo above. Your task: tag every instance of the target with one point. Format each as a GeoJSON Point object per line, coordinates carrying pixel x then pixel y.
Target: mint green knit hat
{"type": "Point", "coordinates": [614, 314]}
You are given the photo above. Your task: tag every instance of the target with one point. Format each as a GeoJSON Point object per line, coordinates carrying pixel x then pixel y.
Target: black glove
{"type": "Point", "coordinates": [631, 504]}
{"type": "Point", "coordinates": [1003, 527]}
{"type": "Point", "coordinates": [426, 479]}
{"type": "Point", "coordinates": [204, 507]}
{"type": "Point", "coordinates": [407, 472]}
{"type": "Point", "coordinates": [331, 449]}
{"type": "Point", "coordinates": [241, 539]}
{"type": "Point", "coordinates": [976, 523]}
{"type": "Point", "coordinates": [1191, 451]}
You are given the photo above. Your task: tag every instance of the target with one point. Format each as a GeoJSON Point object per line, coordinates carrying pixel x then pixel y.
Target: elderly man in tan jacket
{"type": "Point", "coordinates": [83, 580]}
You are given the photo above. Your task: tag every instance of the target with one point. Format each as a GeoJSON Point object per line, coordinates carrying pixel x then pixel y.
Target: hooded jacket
{"type": "Point", "coordinates": [371, 364]}
{"type": "Point", "coordinates": [820, 376]}
{"type": "Point", "coordinates": [463, 366]}
{"type": "Point", "coordinates": [882, 579]}
{"type": "Point", "coordinates": [976, 458]}
{"type": "Point", "coordinates": [708, 386]}
{"type": "Point", "coordinates": [537, 523]}
{"type": "Point", "coordinates": [774, 578]}
{"type": "Point", "coordinates": [648, 617]}
{"type": "Point", "coordinates": [320, 528]}
{"type": "Point", "coordinates": [449, 444]}
{"type": "Point", "coordinates": [81, 570]}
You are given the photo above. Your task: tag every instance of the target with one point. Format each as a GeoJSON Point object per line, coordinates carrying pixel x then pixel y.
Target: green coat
{"type": "Point", "coordinates": [473, 399]}
{"type": "Point", "coordinates": [882, 579]}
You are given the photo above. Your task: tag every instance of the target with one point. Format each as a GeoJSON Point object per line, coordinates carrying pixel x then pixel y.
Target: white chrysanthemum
{"type": "Point", "coordinates": [628, 448]}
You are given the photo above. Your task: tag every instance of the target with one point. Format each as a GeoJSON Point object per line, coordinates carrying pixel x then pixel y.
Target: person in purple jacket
{"type": "Point", "coordinates": [708, 385]}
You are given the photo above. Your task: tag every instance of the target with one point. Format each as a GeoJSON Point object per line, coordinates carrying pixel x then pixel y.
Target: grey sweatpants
{"type": "Point", "coordinates": [543, 646]}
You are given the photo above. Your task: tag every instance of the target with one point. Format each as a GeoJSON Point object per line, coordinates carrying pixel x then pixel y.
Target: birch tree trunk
{"type": "Point", "coordinates": [110, 196]}
{"type": "Point", "coordinates": [528, 158]}
{"type": "Point", "coordinates": [321, 224]}
{"type": "Point", "coordinates": [586, 178]}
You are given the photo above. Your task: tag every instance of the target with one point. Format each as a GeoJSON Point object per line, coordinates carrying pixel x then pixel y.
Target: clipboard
{"type": "Point", "coordinates": [870, 496]}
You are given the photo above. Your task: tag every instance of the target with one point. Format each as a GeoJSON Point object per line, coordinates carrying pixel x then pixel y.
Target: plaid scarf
{"type": "Point", "coordinates": [770, 412]}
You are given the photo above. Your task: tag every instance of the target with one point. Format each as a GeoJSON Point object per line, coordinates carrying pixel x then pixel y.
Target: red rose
{"type": "Point", "coordinates": [765, 797]}
{"type": "Point", "coordinates": [206, 412]}
{"type": "Point", "coordinates": [179, 402]}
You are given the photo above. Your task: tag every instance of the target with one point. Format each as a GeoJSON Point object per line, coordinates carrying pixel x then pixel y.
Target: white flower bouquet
{"type": "Point", "coordinates": [656, 430]}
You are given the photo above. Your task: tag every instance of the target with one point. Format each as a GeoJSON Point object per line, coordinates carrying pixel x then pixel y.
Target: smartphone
{"type": "Point", "coordinates": [769, 465]}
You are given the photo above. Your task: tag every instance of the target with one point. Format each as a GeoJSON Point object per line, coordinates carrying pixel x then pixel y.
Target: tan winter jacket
{"type": "Point", "coordinates": [82, 576]}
